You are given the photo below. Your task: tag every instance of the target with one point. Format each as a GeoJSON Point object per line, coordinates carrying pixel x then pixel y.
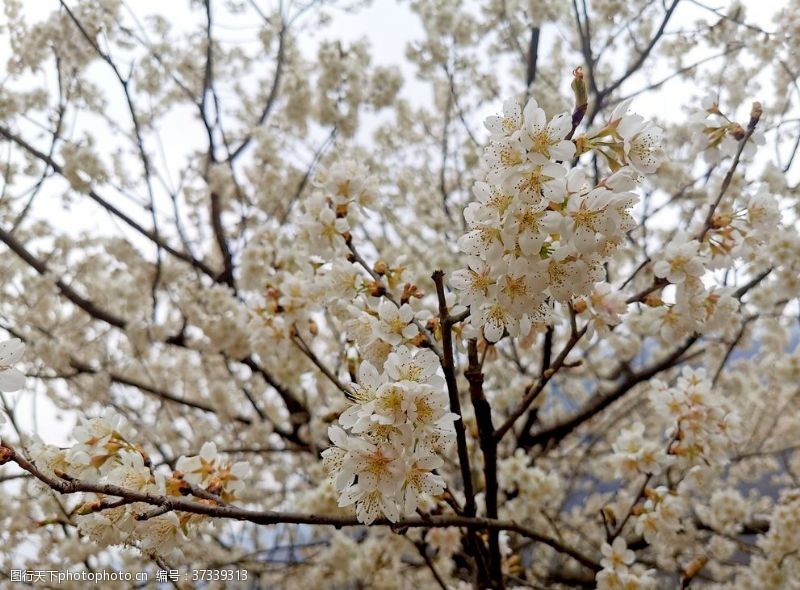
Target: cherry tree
{"type": "Point", "coordinates": [517, 312]}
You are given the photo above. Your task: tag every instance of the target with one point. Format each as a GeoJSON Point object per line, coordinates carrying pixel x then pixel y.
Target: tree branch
{"type": "Point", "coordinates": [58, 169]}
{"type": "Point", "coordinates": [601, 402]}
{"type": "Point", "coordinates": [483, 418]}
{"type": "Point", "coordinates": [72, 486]}
{"type": "Point", "coordinates": [534, 389]}
{"type": "Point", "coordinates": [448, 366]}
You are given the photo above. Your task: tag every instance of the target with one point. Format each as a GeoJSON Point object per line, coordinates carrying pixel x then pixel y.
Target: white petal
{"type": "Point", "coordinates": [338, 436]}
{"type": "Point", "coordinates": [560, 125]}
{"type": "Point", "coordinates": [493, 331]}
{"type": "Point", "coordinates": [563, 151]}
{"type": "Point", "coordinates": [208, 451]}
{"type": "Point", "coordinates": [530, 107]}
{"type": "Point", "coordinates": [630, 125]}
{"type": "Point", "coordinates": [11, 351]}
{"type": "Point", "coordinates": [621, 109]}
{"type": "Point", "coordinates": [11, 380]}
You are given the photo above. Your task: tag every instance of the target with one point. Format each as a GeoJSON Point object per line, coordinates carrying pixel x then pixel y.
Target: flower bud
{"type": "Point", "coordinates": [579, 88]}
{"type": "Point", "coordinates": [611, 517]}
{"type": "Point", "coordinates": [410, 290]}
{"type": "Point", "coordinates": [691, 570]}
{"type": "Point", "coordinates": [6, 455]}
{"type": "Point", "coordinates": [89, 507]}
{"type": "Point", "coordinates": [755, 114]}
{"type": "Point", "coordinates": [376, 289]}
{"type": "Point", "coordinates": [421, 340]}
{"type": "Point", "coordinates": [737, 131]}
{"type": "Point", "coordinates": [653, 300]}
{"type": "Point", "coordinates": [380, 268]}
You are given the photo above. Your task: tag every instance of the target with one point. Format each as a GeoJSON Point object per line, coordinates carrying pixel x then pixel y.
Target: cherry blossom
{"type": "Point", "coordinates": [514, 306]}
{"type": "Point", "coordinates": [11, 352]}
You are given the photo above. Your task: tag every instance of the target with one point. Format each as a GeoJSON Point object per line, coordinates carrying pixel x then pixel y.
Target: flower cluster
{"type": "Point", "coordinates": [342, 193]}
{"type": "Point", "coordinates": [104, 454]}
{"type": "Point", "coordinates": [777, 564]}
{"type": "Point", "coordinates": [706, 428]}
{"type": "Point", "coordinates": [634, 453]}
{"type": "Point", "coordinates": [716, 135]}
{"type": "Point", "coordinates": [661, 518]}
{"type": "Point", "coordinates": [538, 232]}
{"type": "Point", "coordinates": [531, 489]}
{"type": "Point", "coordinates": [619, 569]}
{"type": "Point", "coordinates": [699, 440]}
{"type": "Point", "coordinates": [399, 423]}
{"type": "Point", "coordinates": [604, 307]}
{"type": "Point", "coordinates": [300, 272]}
{"type": "Point", "coordinates": [380, 329]}
{"type": "Point", "coordinates": [211, 473]}
{"type": "Point", "coordinates": [727, 511]}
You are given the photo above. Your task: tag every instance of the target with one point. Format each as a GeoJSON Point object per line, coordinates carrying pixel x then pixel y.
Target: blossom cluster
{"type": "Point", "coordinates": [619, 569]}
{"type": "Point", "coordinates": [538, 231]}
{"type": "Point", "coordinates": [105, 454]}
{"type": "Point", "coordinates": [399, 423]}
{"type": "Point", "coordinates": [698, 441]}
{"type": "Point", "coordinates": [777, 564]}
{"type": "Point", "coordinates": [734, 233]}
{"type": "Point", "coordinates": [301, 272]}
{"type": "Point", "coordinates": [530, 488]}
{"type": "Point", "coordinates": [706, 427]}
{"type": "Point", "coordinates": [343, 191]}
{"type": "Point", "coordinates": [716, 135]}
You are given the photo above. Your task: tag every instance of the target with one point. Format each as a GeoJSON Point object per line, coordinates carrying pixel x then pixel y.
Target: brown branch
{"type": "Point", "coordinates": [82, 367]}
{"type": "Point", "coordinates": [273, 91]}
{"type": "Point", "coordinates": [644, 54]}
{"type": "Point", "coordinates": [534, 389]}
{"type": "Point", "coordinates": [755, 115]}
{"type": "Point", "coordinates": [55, 135]}
{"type": "Point", "coordinates": [301, 186]}
{"type": "Point", "coordinates": [159, 242]}
{"type": "Point", "coordinates": [448, 367]}
{"type": "Point", "coordinates": [474, 544]}
{"type": "Point", "coordinates": [139, 140]}
{"type": "Point", "coordinates": [557, 432]}
{"type": "Point", "coordinates": [68, 292]}
{"type": "Point", "coordinates": [731, 347]}
{"type": "Point", "coordinates": [586, 49]}
{"type": "Point", "coordinates": [617, 531]}
{"type": "Point", "coordinates": [422, 549]}
{"type": "Point", "coordinates": [657, 284]}
{"type": "Point", "coordinates": [297, 409]}
{"type": "Point", "coordinates": [306, 350]}
{"type": "Point", "coordinates": [69, 485]}
{"type": "Point", "coordinates": [742, 291]}
{"type": "Point", "coordinates": [533, 56]}
{"type": "Point", "coordinates": [222, 242]}
{"type": "Point", "coordinates": [488, 444]}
